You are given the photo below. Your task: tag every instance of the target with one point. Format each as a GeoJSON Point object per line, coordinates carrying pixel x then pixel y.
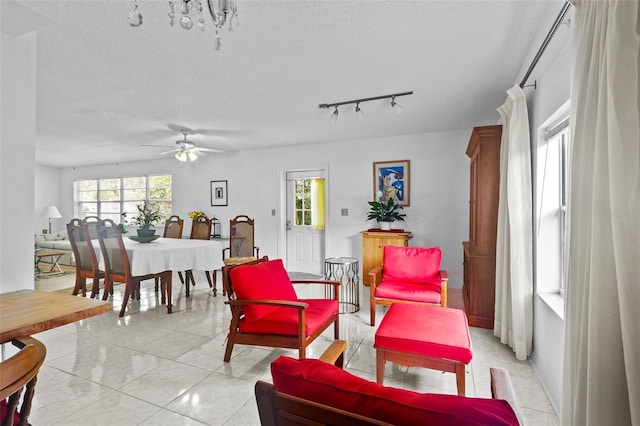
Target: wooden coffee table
{"type": "Point", "coordinates": [55, 256]}
{"type": "Point", "coordinates": [424, 336]}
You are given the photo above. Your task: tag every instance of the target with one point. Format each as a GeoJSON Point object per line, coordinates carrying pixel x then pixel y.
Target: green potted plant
{"type": "Point", "coordinates": [385, 213]}
{"type": "Point", "coordinates": [145, 219]}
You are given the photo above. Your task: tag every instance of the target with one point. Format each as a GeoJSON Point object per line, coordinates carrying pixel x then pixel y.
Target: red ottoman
{"type": "Point", "coordinates": [424, 336]}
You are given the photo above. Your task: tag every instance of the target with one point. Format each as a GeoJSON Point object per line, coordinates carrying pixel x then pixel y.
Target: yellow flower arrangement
{"type": "Point", "coordinates": [194, 214]}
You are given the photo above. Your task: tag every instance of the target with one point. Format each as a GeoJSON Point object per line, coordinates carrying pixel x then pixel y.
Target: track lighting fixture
{"type": "Point", "coordinates": [395, 105]}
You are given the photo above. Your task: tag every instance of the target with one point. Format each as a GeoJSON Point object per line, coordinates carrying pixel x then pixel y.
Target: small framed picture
{"type": "Point", "coordinates": [391, 180]}
{"type": "Point", "coordinates": [219, 193]}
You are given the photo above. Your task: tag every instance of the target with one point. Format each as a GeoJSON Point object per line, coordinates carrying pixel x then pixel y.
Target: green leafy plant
{"type": "Point", "coordinates": [147, 216]}
{"type": "Point", "coordinates": [385, 212]}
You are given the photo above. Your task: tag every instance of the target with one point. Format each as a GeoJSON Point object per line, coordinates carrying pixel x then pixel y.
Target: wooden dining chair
{"type": "Point", "coordinates": [173, 229]}
{"type": "Point", "coordinates": [241, 244]}
{"type": "Point", "coordinates": [200, 230]}
{"type": "Point", "coordinates": [118, 267]}
{"type": "Point", "coordinates": [17, 373]}
{"type": "Point", "coordinates": [85, 259]}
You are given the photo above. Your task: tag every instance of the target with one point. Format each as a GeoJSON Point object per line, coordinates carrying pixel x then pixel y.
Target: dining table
{"type": "Point", "coordinates": [169, 254]}
{"type": "Point", "coordinates": [27, 312]}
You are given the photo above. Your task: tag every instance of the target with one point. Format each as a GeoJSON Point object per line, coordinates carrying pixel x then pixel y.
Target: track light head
{"type": "Point", "coordinates": [396, 106]}
{"type": "Point", "coordinates": [359, 112]}
{"type": "Point", "coordinates": [334, 115]}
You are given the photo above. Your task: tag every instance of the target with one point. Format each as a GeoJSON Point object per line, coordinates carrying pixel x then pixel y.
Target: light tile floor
{"type": "Point", "coordinates": [150, 368]}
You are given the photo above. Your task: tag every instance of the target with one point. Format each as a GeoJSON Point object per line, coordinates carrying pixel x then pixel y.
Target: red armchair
{"type": "Point", "coordinates": [265, 310]}
{"type": "Point", "coordinates": [408, 275]}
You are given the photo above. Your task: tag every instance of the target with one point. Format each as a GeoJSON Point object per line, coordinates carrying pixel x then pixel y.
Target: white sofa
{"type": "Point", "coordinates": [56, 241]}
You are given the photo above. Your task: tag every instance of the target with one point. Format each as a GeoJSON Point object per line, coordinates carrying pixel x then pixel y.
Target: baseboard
{"type": "Point", "coordinates": [553, 394]}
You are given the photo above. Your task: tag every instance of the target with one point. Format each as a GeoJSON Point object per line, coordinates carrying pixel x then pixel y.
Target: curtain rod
{"type": "Point", "coordinates": [546, 41]}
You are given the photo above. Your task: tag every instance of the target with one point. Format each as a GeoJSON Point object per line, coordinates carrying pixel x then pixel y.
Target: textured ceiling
{"type": "Point", "coordinates": [104, 88]}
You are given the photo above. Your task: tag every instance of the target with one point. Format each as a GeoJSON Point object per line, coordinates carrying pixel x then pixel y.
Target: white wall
{"type": "Point", "coordinates": [553, 78]}
{"type": "Point", "coordinates": [17, 152]}
{"type": "Point", "coordinates": [47, 192]}
{"type": "Point", "coordinates": [438, 214]}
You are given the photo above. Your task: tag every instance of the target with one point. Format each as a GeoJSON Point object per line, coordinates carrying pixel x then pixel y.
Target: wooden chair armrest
{"type": "Point", "coordinates": [375, 271]}
{"type": "Point", "coordinates": [226, 250]}
{"type": "Point", "coordinates": [334, 354]}
{"type": "Point", "coordinates": [373, 278]}
{"type": "Point", "coordinates": [444, 279]}
{"type": "Point", "coordinates": [265, 302]}
{"type": "Point", "coordinates": [501, 388]}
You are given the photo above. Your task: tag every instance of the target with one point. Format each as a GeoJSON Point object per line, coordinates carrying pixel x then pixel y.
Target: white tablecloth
{"type": "Point", "coordinates": [171, 254]}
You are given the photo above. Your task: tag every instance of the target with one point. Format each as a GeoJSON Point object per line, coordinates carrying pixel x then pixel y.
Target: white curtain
{"type": "Point", "coordinates": [601, 383]}
{"type": "Point", "coordinates": [513, 321]}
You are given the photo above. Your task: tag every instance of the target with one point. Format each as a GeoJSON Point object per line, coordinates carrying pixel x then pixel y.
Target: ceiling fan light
{"type": "Point", "coordinates": [181, 156]}
{"type": "Point", "coordinates": [192, 156]}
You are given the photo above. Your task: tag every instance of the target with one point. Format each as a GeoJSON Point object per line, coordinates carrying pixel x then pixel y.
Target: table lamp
{"type": "Point", "coordinates": [52, 213]}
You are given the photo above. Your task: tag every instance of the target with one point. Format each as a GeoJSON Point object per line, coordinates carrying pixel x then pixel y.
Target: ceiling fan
{"type": "Point", "coordinates": [186, 150]}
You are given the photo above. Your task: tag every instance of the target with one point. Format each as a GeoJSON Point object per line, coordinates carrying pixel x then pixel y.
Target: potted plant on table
{"type": "Point", "coordinates": [385, 213]}
{"type": "Point", "coordinates": [145, 219]}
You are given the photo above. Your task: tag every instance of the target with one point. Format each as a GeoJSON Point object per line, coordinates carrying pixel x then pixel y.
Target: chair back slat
{"type": "Point", "coordinates": [201, 228]}
{"type": "Point", "coordinates": [81, 246]}
{"type": "Point", "coordinates": [92, 223]}
{"type": "Point", "coordinates": [173, 227]}
{"type": "Point", "coordinates": [116, 259]}
{"type": "Point", "coordinates": [241, 236]}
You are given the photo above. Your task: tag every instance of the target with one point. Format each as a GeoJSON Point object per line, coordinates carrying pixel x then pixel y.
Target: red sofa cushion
{"type": "Point", "coordinates": [262, 281]}
{"type": "Point", "coordinates": [412, 264]}
{"type": "Point", "coordinates": [327, 384]}
{"type": "Point", "coordinates": [434, 331]}
{"type": "Point", "coordinates": [285, 320]}
{"type": "Point", "coordinates": [425, 293]}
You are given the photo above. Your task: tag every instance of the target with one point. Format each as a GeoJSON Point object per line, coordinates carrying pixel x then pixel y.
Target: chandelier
{"type": "Point", "coordinates": [193, 10]}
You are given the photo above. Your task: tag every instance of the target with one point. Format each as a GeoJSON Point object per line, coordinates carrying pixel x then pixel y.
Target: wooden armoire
{"type": "Point", "coordinates": [479, 280]}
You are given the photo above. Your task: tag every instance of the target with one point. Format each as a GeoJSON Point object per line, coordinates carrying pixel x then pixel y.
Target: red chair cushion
{"type": "Point", "coordinates": [425, 293]}
{"type": "Point", "coordinates": [411, 264]}
{"type": "Point", "coordinates": [327, 384]}
{"type": "Point", "coordinates": [433, 331]}
{"type": "Point", "coordinates": [262, 281]}
{"type": "Point", "coordinates": [285, 320]}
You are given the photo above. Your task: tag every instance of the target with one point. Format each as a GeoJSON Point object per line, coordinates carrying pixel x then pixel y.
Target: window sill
{"type": "Point", "coordinates": [555, 301]}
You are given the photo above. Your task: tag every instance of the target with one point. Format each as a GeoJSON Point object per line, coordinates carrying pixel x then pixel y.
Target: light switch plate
{"type": "Point", "coordinates": [344, 212]}
{"type": "Point", "coordinates": [273, 212]}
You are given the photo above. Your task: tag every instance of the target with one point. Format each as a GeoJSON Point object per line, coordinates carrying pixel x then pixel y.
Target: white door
{"type": "Point", "coordinates": [304, 237]}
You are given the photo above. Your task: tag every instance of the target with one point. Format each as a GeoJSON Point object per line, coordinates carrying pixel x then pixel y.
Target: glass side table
{"type": "Point", "coordinates": [345, 270]}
